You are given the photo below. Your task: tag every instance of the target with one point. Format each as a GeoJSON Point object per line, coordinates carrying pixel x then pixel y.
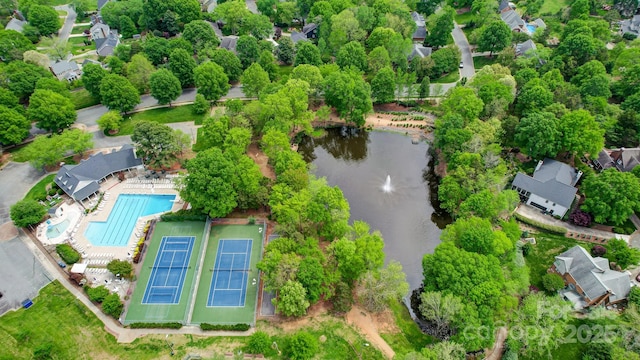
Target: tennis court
{"type": "Point", "coordinates": [229, 279]}
{"type": "Point", "coordinates": [169, 270]}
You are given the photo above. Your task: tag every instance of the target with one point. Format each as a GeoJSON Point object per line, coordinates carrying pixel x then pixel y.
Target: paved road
{"type": "Point", "coordinates": [16, 180]}
{"type": "Point", "coordinates": [64, 33]}
{"type": "Point", "coordinates": [251, 5]}
{"type": "Point", "coordinates": [465, 49]}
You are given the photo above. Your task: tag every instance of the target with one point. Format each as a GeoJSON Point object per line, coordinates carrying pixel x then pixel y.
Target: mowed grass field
{"type": "Point", "coordinates": [138, 312]}
{"type": "Point", "coordinates": [228, 315]}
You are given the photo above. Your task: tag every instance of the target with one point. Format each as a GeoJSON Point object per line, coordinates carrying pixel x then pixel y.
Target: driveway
{"type": "Point", "coordinates": [15, 179]}
{"type": "Point", "coordinates": [65, 31]}
{"type": "Point", "coordinates": [465, 50]}
{"type": "Point", "coordinates": [251, 5]}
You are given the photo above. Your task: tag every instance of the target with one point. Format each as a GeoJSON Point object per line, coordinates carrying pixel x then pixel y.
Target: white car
{"type": "Point", "coordinates": [461, 65]}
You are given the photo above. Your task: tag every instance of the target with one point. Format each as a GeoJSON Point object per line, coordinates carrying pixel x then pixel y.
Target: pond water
{"type": "Point", "coordinates": [387, 181]}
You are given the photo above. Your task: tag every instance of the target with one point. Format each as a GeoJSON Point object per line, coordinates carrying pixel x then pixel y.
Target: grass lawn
{"type": "Point", "coordinates": [542, 255]}
{"type": "Point", "coordinates": [449, 78]}
{"type": "Point", "coordinates": [161, 115]}
{"type": "Point", "coordinates": [284, 70]}
{"type": "Point", "coordinates": [553, 7]}
{"type": "Point", "coordinates": [464, 18]}
{"type": "Point", "coordinates": [481, 61]}
{"type": "Point", "coordinates": [82, 99]}
{"type": "Point", "coordinates": [200, 143]}
{"type": "Point", "coordinates": [38, 191]}
{"type": "Point", "coordinates": [410, 338]}
{"type": "Point", "coordinates": [80, 29]}
{"type": "Point", "coordinates": [76, 41]}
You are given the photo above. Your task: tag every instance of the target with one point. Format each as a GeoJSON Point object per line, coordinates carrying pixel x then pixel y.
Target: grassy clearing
{"type": "Point", "coordinates": [284, 71]}
{"type": "Point", "coordinates": [464, 18]}
{"type": "Point", "coordinates": [553, 7]}
{"type": "Point", "coordinates": [80, 29]}
{"type": "Point", "coordinates": [410, 337]}
{"type": "Point", "coordinates": [82, 99]}
{"type": "Point", "coordinates": [78, 41]}
{"type": "Point", "coordinates": [38, 191]}
{"type": "Point", "coordinates": [162, 115]}
{"type": "Point", "coordinates": [481, 61]}
{"type": "Point", "coordinates": [448, 78]}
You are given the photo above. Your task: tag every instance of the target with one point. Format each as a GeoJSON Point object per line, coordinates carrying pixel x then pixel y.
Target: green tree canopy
{"type": "Point", "coordinates": [165, 87]}
{"type": "Point", "coordinates": [440, 25]}
{"type": "Point", "coordinates": [181, 64]}
{"type": "Point", "coordinates": [21, 78]}
{"type": "Point", "coordinates": [352, 54]}
{"type": "Point", "coordinates": [211, 81]}
{"type": "Point", "coordinates": [377, 290]}
{"type": "Point", "coordinates": [117, 93]}
{"type": "Point", "coordinates": [383, 85]}
{"type": "Point", "coordinates": [349, 94]}
{"type": "Point", "coordinates": [155, 143]}
{"type": "Point", "coordinates": [611, 196]}
{"type": "Point", "coordinates": [494, 37]}
{"type": "Point", "coordinates": [13, 45]}
{"type": "Point", "coordinates": [13, 126]}
{"type": "Point", "coordinates": [537, 133]}
{"type": "Point", "coordinates": [580, 133]}
{"type": "Point", "coordinates": [44, 18]}
{"type": "Point", "coordinates": [248, 50]}
{"type": "Point", "coordinates": [307, 53]}
{"type": "Point", "coordinates": [27, 212]}
{"type": "Point", "coordinates": [463, 101]}
{"type": "Point", "coordinates": [110, 121]}
{"type": "Point", "coordinates": [229, 62]}
{"type": "Point", "coordinates": [139, 71]}
{"type": "Point", "coordinates": [254, 79]}
{"type": "Point", "coordinates": [292, 301]}
{"type": "Point", "coordinates": [120, 268]}
{"type": "Point", "coordinates": [286, 50]}
{"type": "Point", "coordinates": [92, 75]}
{"type": "Point", "coordinates": [156, 49]}
{"type": "Point", "coordinates": [200, 34]}
{"type": "Point", "coordinates": [52, 111]}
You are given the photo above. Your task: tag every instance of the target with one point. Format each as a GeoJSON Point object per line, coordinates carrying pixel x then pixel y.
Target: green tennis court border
{"type": "Point", "coordinates": [227, 314]}
{"type": "Point", "coordinates": [138, 312]}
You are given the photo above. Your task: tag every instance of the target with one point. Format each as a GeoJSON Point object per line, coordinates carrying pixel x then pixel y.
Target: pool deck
{"type": "Point", "coordinates": [99, 256]}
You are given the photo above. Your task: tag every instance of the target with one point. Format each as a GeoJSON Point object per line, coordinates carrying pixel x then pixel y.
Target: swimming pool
{"type": "Point", "coordinates": [53, 231]}
{"type": "Point", "coordinates": [123, 217]}
{"type": "Point", "coordinates": [531, 28]}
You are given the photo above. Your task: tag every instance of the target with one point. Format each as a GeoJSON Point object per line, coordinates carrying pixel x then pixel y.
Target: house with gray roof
{"type": "Point", "coordinates": [309, 31]}
{"type": "Point", "coordinates": [522, 48]}
{"type": "Point", "coordinates": [631, 25]}
{"type": "Point", "coordinates": [101, 3]}
{"type": "Point", "coordinates": [515, 22]}
{"type": "Point", "coordinates": [229, 42]}
{"type": "Point", "coordinates": [15, 24]}
{"type": "Point", "coordinates": [420, 51]}
{"type": "Point", "coordinates": [83, 180]}
{"type": "Point", "coordinates": [622, 159]}
{"type": "Point", "coordinates": [65, 70]}
{"type": "Point", "coordinates": [99, 30]}
{"type": "Point", "coordinates": [550, 189]}
{"type": "Point", "coordinates": [421, 29]}
{"type": "Point", "coordinates": [105, 46]}
{"type": "Point", "coordinates": [590, 281]}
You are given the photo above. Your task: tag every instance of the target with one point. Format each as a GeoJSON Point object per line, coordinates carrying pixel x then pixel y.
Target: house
{"type": "Point", "coordinates": [65, 70]}
{"type": "Point", "coordinates": [590, 281]}
{"type": "Point", "coordinates": [421, 30]}
{"type": "Point", "coordinates": [551, 189]}
{"type": "Point", "coordinates": [515, 22]}
{"type": "Point", "coordinates": [99, 30]}
{"type": "Point", "coordinates": [420, 51]}
{"type": "Point", "coordinates": [82, 180]}
{"type": "Point", "coordinates": [229, 42]}
{"type": "Point", "coordinates": [631, 25]}
{"type": "Point", "coordinates": [102, 3]}
{"type": "Point", "coordinates": [309, 31]}
{"type": "Point", "coordinates": [522, 48]}
{"type": "Point", "coordinates": [15, 24]}
{"type": "Point", "coordinates": [622, 159]}
{"type": "Point", "coordinates": [539, 23]}
{"type": "Point", "coordinates": [208, 5]}
{"type": "Point", "coordinates": [505, 6]}
{"type": "Point", "coordinates": [105, 46]}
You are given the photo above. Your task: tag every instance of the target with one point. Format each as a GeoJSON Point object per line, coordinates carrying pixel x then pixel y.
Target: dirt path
{"type": "Point", "coordinates": [496, 352]}
{"type": "Point", "coordinates": [262, 160]}
{"type": "Point", "coordinates": [360, 319]}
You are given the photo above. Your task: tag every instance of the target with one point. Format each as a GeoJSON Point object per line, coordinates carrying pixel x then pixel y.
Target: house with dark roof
{"type": "Point", "coordinates": [229, 42]}
{"type": "Point", "coordinates": [102, 3]}
{"type": "Point", "coordinates": [15, 24]}
{"type": "Point", "coordinates": [522, 48]}
{"type": "Point", "coordinates": [590, 281]}
{"type": "Point", "coordinates": [622, 159]}
{"type": "Point", "coordinates": [99, 30]}
{"type": "Point", "coordinates": [505, 6]}
{"type": "Point", "coordinates": [105, 46]}
{"type": "Point", "coordinates": [83, 180]}
{"type": "Point", "coordinates": [65, 70]}
{"type": "Point", "coordinates": [420, 51]}
{"type": "Point", "coordinates": [550, 189]}
{"type": "Point", "coordinates": [515, 22]}
{"type": "Point", "coordinates": [309, 31]}
{"type": "Point", "coordinates": [631, 25]}
{"type": "Point", "coordinates": [421, 29]}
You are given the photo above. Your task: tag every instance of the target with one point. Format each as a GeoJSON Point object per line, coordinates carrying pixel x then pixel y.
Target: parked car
{"type": "Point", "coordinates": [62, 264]}
{"type": "Point", "coordinates": [461, 65]}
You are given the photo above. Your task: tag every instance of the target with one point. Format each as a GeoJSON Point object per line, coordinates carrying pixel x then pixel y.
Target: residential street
{"type": "Point", "coordinates": [65, 31]}
{"type": "Point", "coordinates": [465, 49]}
{"type": "Point", "coordinates": [15, 180]}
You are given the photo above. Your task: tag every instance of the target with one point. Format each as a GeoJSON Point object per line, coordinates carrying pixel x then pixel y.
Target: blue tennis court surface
{"type": "Point", "coordinates": [230, 274]}
{"type": "Point", "coordinates": [169, 270]}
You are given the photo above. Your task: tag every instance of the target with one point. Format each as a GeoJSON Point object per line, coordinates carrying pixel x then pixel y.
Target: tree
{"type": "Point", "coordinates": [27, 212]}
{"type": "Point", "coordinates": [117, 93]}
{"type": "Point", "coordinates": [127, 27]}
{"type": "Point", "coordinates": [156, 49]}
{"type": "Point", "coordinates": [21, 78]}
{"type": "Point", "coordinates": [619, 252]}
{"type": "Point", "coordinates": [445, 60]}
{"type": "Point", "coordinates": [310, 74]}
{"type": "Point", "coordinates": [352, 55]}
{"type": "Point", "coordinates": [442, 310]}
{"type": "Point", "coordinates": [208, 187]}
{"type": "Point", "coordinates": [425, 87]}
{"type": "Point", "coordinates": [538, 135]}
{"type": "Point", "coordinates": [155, 143]}
{"type": "Point", "coordinates": [165, 87]}
{"type": "Point", "coordinates": [349, 94]}
{"type": "Point", "coordinates": [382, 86]}
{"type": "Point", "coordinates": [533, 98]}
{"type": "Point", "coordinates": [254, 79]}
{"type": "Point", "coordinates": [110, 121]}
{"type": "Point", "coordinates": [258, 26]}
{"type": "Point", "coordinates": [121, 268]}
{"type": "Point", "coordinates": [13, 126]}
{"type": "Point", "coordinates": [181, 64]}
{"type": "Point", "coordinates": [111, 305]}
{"type": "Point", "coordinates": [139, 71]}
{"type": "Point", "coordinates": [259, 343]}
{"type": "Point", "coordinates": [211, 81]}
{"type": "Point", "coordinates": [36, 58]}
{"type": "Point", "coordinates": [232, 14]}
{"type": "Point", "coordinates": [52, 111]}
{"type": "Point", "coordinates": [13, 45]}
{"type": "Point", "coordinates": [311, 275]}
{"type": "Point", "coordinates": [345, 28]}
{"type": "Point", "coordinates": [292, 299]}
{"type": "Point", "coordinates": [301, 346]}
{"type": "Point", "coordinates": [634, 296]}
{"type": "Point", "coordinates": [307, 53]}
{"type": "Point", "coordinates": [200, 105]}
{"type": "Point", "coordinates": [155, 12]}
{"type": "Point", "coordinates": [286, 50]}
{"type": "Point", "coordinates": [229, 62]}
{"type": "Point", "coordinates": [285, 13]}
{"type": "Point", "coordinates": [552, 282]}
{"type": "Point", "coordinates": [201, 35]}
{"type": "Point", "coordinates": [377, 59]}
{"type": "Point", "coordinates": [44, 18]}
{"type": "Point", "coordinates": [377, 290]}
{"type": "Point", "coordinates": [97, 294]}
{"type": "Point", "coordinates": [579, 9]}
{"type": "Point", "coordinates": [440, 25]}
{"type": "Point", "coordinates": [463, 101]}
{"type": "Point", "coordinates": [247, 50]}
{"type": "Point", "coordinates": [92, 75]}
{"type": "Point", "coordinates": [54, 85]}
{"type": "Point", "coordinates": [49, 150]}
{"type": "Point", "coordinates": [580, 133]}
{"type": "Point", "coordinates": [268, 64]}
{"type": "Point", "coordinates": [611, 196]}
{"type": "Point", "coordinates": [494, 37]}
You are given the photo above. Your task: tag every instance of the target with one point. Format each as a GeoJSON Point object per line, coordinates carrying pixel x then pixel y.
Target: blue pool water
{"type": "Point", "coordinates": [53, 231]}
{"type": "Point", "coordinates": [123, 217]}
{"type": "Point", "coordinates": [531, 28]}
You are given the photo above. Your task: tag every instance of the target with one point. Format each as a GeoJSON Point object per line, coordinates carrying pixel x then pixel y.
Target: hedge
{"type": "Point", "coordinates": [68, 254]}
{"type": "Point", "coordinates": [233, 327]}
{"type": "Point", "coordinates": [184, 215]}
{"type": "Point", "coordinates": [551, 228]}
{"type": "Point", "coordinates": [168, 325]}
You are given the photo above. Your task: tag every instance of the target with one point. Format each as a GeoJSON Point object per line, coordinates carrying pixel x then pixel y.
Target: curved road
{"type": "Point", "coordinates": [70, 19]}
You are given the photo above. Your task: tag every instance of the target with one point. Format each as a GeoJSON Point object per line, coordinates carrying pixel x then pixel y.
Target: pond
{"type": "Point", "coordinates": [387, 181]}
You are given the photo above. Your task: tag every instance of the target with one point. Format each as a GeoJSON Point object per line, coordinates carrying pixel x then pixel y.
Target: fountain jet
{"type": "Point", "coordinates": [387, 185]}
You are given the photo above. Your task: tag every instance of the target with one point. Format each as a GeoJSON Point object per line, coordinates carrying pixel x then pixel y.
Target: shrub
{"type": "Point", "coordinates": [634, 296]}
{"type": "Point", "coordinates": [598, 250]}
{"type": "Point", "coordinates": [552, 282]}
{"type": "Point", "coordinates": [111, 305]}
{"type": "Point", "coordinates": [184, 215]}
{"type": "Point", "coordinates": [223, 327]}
{"type": "Point", "coordinates": [68, 254]}
{"type": "Point", "coordinates": [168, 325]}
{"type": "Point", "coordinates": [97, 294]}
{"type": "Point", "coordinates": [343, 298]}
{"type": "Point", "coordinates": [581, 218]}
{"type": "Point", "coordinates": [629, 36]}
{"type": "Point", "coordinates": [526, 249]}
{"type": "Point", "coordinates": [200, 105]}
{"type": "Point", "coordinates": [551, 228]}
{"type": "Point", "coordinates": [301, 346]}
{"type": "Point", "coordinates": [259, 343]}
{"type": "Point", "coordinates": [120, 267]}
